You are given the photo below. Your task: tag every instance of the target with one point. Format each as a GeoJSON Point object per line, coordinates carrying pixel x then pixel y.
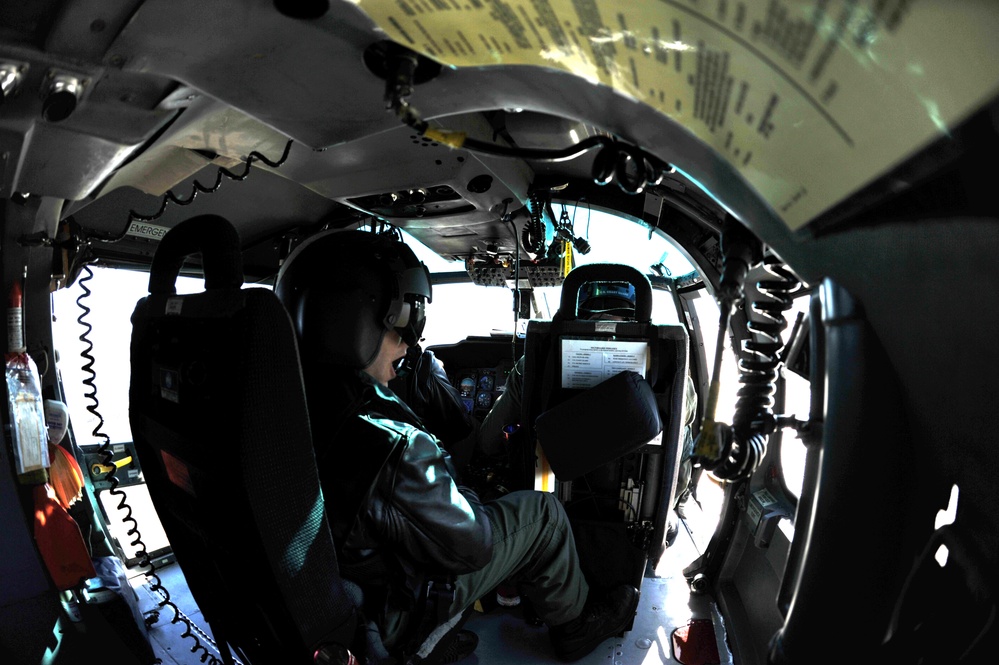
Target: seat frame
{"type": "Point", "coordinates": [656, 467]}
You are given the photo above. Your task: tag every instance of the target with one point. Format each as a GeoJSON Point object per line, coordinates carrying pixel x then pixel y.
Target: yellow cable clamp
{"type": "Point", "coordinates": [446, 137]}
{"type": "Point", "coordinates": [98, 469]}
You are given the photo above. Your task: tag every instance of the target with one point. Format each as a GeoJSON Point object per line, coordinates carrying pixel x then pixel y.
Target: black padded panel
{"type": "Point", "coordinates": [613, 418]}
{"type": "Point", "coordinates": [219, 418]}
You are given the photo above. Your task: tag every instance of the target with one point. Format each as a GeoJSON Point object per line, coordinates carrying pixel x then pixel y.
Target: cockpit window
{"type": "Point", "coordinates": [93, 348]}
{"type": "Point", "coordinates": [457, 311]}
{"type": "Point", "coordinates": [611, 238]}
{"type": "Point", "coordinates": [462, 310]}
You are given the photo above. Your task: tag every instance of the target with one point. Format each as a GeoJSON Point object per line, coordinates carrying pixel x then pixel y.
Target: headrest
{"type": "Point", "coordinates": [217, 241]}
{"type": "Point", "coordinates": [616, 277]}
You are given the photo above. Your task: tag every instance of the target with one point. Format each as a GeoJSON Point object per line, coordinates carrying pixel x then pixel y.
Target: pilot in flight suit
{"type": "Point", "coordinates": [398, 514]}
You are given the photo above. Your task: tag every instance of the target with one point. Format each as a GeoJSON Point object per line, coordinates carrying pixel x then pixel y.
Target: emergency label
{"type": "Point", "coordinates": [808, 100]}
{"type": "Point", "coordinates": [147, 231]}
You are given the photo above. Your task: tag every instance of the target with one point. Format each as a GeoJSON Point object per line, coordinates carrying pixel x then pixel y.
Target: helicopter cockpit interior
{"type": "Point", "coordinates": [808, 194]}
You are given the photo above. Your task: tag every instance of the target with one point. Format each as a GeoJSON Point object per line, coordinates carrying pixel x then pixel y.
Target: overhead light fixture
{"type": "Point", "coordinates": [10, 79]}
{"type": "Point", "coordinates": [60, 96]}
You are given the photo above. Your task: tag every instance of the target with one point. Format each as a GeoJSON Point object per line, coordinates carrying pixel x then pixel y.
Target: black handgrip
{"type": "Point", "coordinates": [606, 272]}
{"type": "Point", "coordinates": [215, 238]}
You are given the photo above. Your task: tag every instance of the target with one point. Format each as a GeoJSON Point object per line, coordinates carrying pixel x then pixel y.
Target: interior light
{"type": "Point", "coordinates": [60, 97]}
{"type": "Point", "coordinates": [10, 78]}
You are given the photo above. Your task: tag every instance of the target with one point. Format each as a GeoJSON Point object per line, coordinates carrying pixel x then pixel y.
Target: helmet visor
{"type": "Point", "coordinates": [606, 299]}
{"type": "Point", "coordinates": [416, 291]}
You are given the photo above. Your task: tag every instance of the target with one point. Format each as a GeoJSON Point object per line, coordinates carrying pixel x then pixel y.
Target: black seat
{"type": "Point", "coordinates": [219, 417]}
{"type": "Point", "coordinates": [218, 414]}
{"type": "Point", "coordinates": [615, 475]}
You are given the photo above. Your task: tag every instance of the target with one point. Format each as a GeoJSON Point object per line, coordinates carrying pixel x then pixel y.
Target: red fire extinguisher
{"type": "Point", "coordinates": [15, 319]}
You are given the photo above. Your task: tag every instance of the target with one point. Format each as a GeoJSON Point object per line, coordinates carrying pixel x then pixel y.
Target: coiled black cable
{"type": "Point", "coordinates": [508, 218]}
{"type": "Point", "coordinates": [196, 187]}
{"type": "Point", "coordinates": [629, 166]}
{"type": "Point", "coordinates": [759, 359]}
{"type": "Point", "coordinates": [107, 457]}
{"type": "Point", "coordinates": [191, 626]}
{"type": "Point", "coordinates": [745, 444]}
{"type": "Point", "coordinates": [105, 451]}
{"type": "Point", "coordinates": [532, 236]}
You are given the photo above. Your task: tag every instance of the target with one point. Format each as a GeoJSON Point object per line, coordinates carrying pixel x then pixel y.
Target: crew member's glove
{"type": "Point", "coordinates": [429, 393]}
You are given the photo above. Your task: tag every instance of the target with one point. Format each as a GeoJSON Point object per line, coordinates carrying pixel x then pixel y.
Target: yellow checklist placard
{"type": "Point", "coordinates": [808, 99]}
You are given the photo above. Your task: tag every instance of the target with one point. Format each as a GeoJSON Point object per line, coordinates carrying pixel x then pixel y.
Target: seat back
{"type": "Point", "coordinates": [218, 413]}
{"type": "Point", "coordinates": [593, 418]}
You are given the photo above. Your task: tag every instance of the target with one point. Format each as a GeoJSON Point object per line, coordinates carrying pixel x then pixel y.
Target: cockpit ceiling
{"type": "Point", "coordinates": [754, 106]}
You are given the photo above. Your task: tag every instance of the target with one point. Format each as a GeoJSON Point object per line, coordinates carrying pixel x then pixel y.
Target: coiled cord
{"type": "Point", "coordinates": [633, 169]}
{"type": "Point", "coordinates": [93, 407]}
{"type": "Point", "coordinates": [745, 444]}
{"type": "Point", "coordinates": [196, 187]}
{"type": "Point", "coordinates": [759, 359]}
{"type": "Point", "coordinates": [532, 236]}
{"type": "Point", "coordinates": [107, 457]}
{"type": "Point", "coordinates": [191, 629]}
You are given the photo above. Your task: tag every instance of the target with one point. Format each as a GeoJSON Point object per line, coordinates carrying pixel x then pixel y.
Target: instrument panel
{"type": "Point", "coordinates": [478, 367]}
{"type": "Point", "coordinates": [480, 388]}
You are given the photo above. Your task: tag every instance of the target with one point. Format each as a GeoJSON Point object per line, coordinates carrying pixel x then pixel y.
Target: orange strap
{"type": "Point", "coordinates": [65, 476]}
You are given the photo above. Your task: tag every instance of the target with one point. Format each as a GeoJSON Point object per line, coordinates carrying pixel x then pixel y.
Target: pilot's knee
{"type": "Point", "coordinates": [552, 508]}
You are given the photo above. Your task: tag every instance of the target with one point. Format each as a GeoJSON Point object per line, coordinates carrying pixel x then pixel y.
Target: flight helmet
{"type": "Point", "coordinates": [345, 289]}
{"type": "Point", "coordinates": [611, 298]}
